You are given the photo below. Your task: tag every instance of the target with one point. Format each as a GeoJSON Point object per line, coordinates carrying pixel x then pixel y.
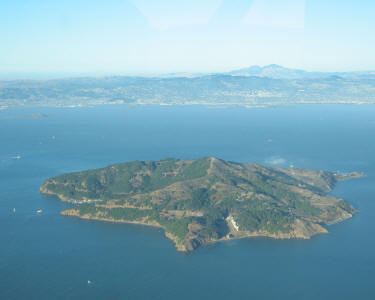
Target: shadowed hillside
{"type": "Point", "coordinates": [205, 200]}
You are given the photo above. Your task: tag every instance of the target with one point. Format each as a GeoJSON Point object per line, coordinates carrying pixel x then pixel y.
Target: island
{"type": "Point", "coordinates": [206, 200]}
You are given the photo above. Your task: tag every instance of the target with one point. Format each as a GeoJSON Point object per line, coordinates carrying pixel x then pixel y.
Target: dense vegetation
{"type": "Point", "coordinates": [203, 200]}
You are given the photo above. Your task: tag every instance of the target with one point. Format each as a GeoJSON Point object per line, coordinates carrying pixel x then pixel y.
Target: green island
{"type": "Point", "coordinates": [206, 200]}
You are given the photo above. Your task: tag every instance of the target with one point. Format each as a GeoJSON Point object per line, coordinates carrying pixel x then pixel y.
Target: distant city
{"type": "Point", "coordinates": [256, 86]}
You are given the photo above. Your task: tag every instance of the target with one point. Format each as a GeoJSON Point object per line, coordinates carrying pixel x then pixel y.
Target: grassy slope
{"type": "Point", "coordinates": [194, 200]}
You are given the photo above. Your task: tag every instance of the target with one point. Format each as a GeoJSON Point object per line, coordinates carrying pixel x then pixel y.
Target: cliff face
{"type": "Point", "coordinates": [206, 200]}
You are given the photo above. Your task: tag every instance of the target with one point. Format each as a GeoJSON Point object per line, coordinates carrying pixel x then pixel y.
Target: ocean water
{"type": "Point", "coordinates": [49, 256]}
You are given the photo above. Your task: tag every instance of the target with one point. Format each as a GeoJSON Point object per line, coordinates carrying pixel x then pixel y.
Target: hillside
{"type": "Point", "coordinates": [205, 200]}
{"type": "Point", "coordinates": [252, 87]}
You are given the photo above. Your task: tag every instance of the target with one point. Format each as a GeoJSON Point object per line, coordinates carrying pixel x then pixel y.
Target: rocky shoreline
{"type": "Point", "coordinates": [300, 231]}
{"type": "Point", "coordinates": [263, 201]}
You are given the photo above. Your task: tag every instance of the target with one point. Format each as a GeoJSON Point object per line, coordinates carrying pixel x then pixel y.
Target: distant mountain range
{"type": "Point", "coordinates": [270, 71]}
{"type": "Point", "coordinates": [250, 87]}
{"type": "Point", "coordinates": [276, 71]}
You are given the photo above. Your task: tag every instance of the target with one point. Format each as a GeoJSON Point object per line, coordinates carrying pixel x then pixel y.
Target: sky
{"type": "Point", "coordinates": [122, 37]}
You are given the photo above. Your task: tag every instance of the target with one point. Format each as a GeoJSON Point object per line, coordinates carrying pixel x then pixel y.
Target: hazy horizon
{"type": "Point", "coordinates": [187, 149]}
{"type": "Point", "coordinates": [132, 37]}
{"type": "Point", "coordinates": [63, 75]}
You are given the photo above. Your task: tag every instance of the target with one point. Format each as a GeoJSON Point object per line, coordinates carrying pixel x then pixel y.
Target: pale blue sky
{"type": "Point", "coordinates": [161, 36]}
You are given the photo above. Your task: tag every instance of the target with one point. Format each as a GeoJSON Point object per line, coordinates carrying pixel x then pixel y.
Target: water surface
{"type": "Point", "coordinates": [49, 256]}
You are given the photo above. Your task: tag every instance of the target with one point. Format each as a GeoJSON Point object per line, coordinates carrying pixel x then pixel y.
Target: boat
{"type": "Point", "coordinates": [39, 211]}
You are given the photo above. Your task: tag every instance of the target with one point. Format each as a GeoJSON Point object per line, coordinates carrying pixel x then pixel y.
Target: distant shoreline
{"type": "Point", "coordinates": [205, 105]}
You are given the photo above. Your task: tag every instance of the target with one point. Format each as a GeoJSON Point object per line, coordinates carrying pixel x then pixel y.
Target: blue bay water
{"type": "Point", "coordinates": [49, 256]}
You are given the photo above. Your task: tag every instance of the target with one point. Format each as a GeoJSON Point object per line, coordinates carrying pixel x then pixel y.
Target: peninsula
{"type": "Point", "coordinates": [206, 200]}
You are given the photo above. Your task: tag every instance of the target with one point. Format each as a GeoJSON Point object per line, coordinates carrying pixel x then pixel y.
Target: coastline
{"type": "Point", "coordinates": [295, 234]}
{"type": "Point", "coordinates": [72, 213]}
{"type": "Point", "coordinates": [298, 228]}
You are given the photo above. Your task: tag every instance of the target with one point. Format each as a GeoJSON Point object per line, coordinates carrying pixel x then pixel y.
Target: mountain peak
{"type": "Point", "coordinates": [272, 71]}
{"type": "Point", "coordinates": [274, 66]}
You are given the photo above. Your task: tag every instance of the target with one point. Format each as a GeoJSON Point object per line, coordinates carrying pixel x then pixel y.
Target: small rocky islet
{"type": "Point", "coordinates": [206, 200]}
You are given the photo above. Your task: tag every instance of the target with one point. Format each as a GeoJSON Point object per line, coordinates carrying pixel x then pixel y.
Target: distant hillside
{"type": "Point", "coordinates": [273, 71]}
{"type": "Point", "coordinates": [212, 90]}
{"type": "Point", "coordinates": [205, 200]}
{"type": "Point", "coordinates": [279, 72]}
